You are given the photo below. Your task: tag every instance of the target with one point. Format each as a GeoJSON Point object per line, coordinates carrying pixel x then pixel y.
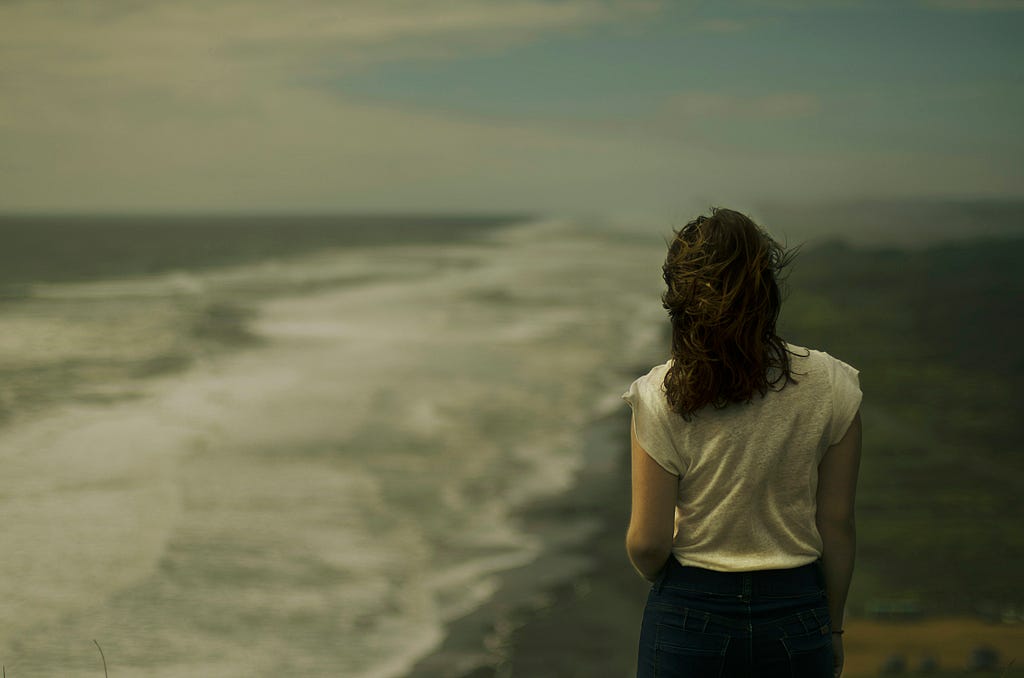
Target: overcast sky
{"type": "Point", "coordinates": [497, 105]}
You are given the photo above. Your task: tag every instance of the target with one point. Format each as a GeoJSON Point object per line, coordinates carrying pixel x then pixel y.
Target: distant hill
{"type": "Point", "coordinates": [908, 223]}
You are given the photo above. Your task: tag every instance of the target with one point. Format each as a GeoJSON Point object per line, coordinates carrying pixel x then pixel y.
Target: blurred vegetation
{"type": "Point", "coordinates": [936, 334]}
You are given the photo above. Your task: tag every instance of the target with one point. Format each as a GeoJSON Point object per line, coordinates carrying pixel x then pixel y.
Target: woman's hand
{"type": "Point", "coordinates": [837, 655]}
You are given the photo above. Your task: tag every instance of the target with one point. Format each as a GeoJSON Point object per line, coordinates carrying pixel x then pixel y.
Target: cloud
{"type": "Point", "coordinates": [704, 104]}
{"type": "Point", "coordinates": [194, 105]}
{"type": "Point", "coordinates": [975, 5]}
{"type": "Point", "coordinates": [816, 4]}
{"type": "Point", "coordinates": [721, 26]}
{"type": "Point", "coordinates": [110, 38]}
{"type": "Point", "coordinates": [79, 68]}
{"type": "Point", "coordinates": [955, 5]}
{"type": "Point", "coordinates": [203, 57]}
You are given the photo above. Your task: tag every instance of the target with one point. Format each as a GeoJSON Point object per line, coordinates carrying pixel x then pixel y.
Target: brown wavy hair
{"type": "Point", "coordinates": [722, 275]}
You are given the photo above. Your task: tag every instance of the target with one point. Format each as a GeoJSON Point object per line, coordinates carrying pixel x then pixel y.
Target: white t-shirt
{"type": "Point", "coordinates": [748, 473]}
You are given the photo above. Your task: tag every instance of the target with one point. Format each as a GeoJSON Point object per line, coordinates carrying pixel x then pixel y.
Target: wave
{"type": "Point", "coordinates": [294, 504]}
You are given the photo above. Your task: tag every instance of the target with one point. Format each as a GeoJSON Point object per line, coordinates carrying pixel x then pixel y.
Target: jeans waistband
{"type": "Point", "coordinates": [805, 579]}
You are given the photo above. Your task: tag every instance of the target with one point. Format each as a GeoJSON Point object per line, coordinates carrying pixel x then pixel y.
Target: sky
{"type": "Point", "coordinates": [556, 106]}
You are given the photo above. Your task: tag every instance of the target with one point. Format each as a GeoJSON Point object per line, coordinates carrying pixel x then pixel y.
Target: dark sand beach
{"type": "Point", "coordinates": [575, 611]}
{"type": "Point", "coordinates": [591, 624]}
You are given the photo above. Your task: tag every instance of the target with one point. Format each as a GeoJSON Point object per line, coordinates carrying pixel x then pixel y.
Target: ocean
{"type": "Point", "coordinates": [293, 459]}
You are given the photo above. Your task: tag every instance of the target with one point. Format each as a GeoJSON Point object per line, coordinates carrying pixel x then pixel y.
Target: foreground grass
{"type": "Point", "coordinates": [103, 658]}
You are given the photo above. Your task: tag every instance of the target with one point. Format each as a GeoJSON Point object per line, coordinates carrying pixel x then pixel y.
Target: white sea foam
{"type": "Point", "coordinates": [298, 507]}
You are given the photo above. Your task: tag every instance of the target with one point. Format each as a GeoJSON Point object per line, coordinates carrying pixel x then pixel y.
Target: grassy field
{"type": "Point", "coordinates": [936, 334]}
{"type": "Point", "coordinates": [947, 641]}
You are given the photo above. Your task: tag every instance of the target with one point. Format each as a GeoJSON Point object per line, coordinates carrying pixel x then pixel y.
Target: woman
{"type": "Point", "coordinates": [745, 455]}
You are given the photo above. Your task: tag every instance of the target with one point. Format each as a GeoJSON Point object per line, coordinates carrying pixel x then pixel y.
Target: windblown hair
{"type": "Point", "coordinates": [722, 274]}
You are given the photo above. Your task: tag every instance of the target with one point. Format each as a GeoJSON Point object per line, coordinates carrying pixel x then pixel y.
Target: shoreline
{"type": "Point", "coordinates": [576, 610]}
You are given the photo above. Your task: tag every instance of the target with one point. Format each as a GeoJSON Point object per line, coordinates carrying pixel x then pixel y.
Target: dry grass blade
{"type": "Point", "coordinates": [101, 657]}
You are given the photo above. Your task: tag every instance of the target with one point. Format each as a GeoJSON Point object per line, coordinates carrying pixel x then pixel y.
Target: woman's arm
{"type": "Point", "coordinates": [652, 518]}
{"type": "Point", "coordinates": [837, 488]}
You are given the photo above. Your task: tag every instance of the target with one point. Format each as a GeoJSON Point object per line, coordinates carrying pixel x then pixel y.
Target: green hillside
{"type": "Point", "coordinates": [937, 335]}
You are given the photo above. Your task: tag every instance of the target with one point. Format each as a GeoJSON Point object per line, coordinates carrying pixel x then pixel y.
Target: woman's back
{"type": "Point", "coordinates": [748, 471]}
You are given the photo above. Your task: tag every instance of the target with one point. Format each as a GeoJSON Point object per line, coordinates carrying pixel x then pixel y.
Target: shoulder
{"type": "Point", "coordinates": [653, 418]}
{"type": "Point", "coordinates": [649, 389]}
{"type": "Point", "coordinates": [652, 382]}
{"type": "Point", "coordinates": [805, 359]}
{"type": "Point", "coordinates": [842, 382]}
{"type": "Point", "coordinates": [833, 375]}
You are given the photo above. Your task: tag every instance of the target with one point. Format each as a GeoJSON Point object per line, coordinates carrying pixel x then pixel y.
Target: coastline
{"type": "Point", "coordinates": [576, 610]}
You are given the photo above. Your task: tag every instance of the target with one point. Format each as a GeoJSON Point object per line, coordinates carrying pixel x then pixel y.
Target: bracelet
{"type": "Point", "coordinates": [838, 633]}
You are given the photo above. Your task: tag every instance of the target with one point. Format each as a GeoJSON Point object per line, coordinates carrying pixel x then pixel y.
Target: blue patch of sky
{"type": "Point", "coordinates": [892, 79]}
{"type": "Point", "coordinates": [885, 74]}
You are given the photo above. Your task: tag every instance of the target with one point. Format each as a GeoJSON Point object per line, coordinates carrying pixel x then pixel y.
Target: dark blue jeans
{"type": "Point", "coordinates": [706, 624]}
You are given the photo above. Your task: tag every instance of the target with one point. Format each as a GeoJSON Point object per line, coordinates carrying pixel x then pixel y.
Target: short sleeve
{"type": "Point", "coordinates": [846, 397]}
{"type": "Point", "coordinates": [649, 418]}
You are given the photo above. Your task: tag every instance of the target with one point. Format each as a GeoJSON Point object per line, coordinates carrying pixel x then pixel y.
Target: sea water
{"type": "Point", "coordinates": [304, 465]}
